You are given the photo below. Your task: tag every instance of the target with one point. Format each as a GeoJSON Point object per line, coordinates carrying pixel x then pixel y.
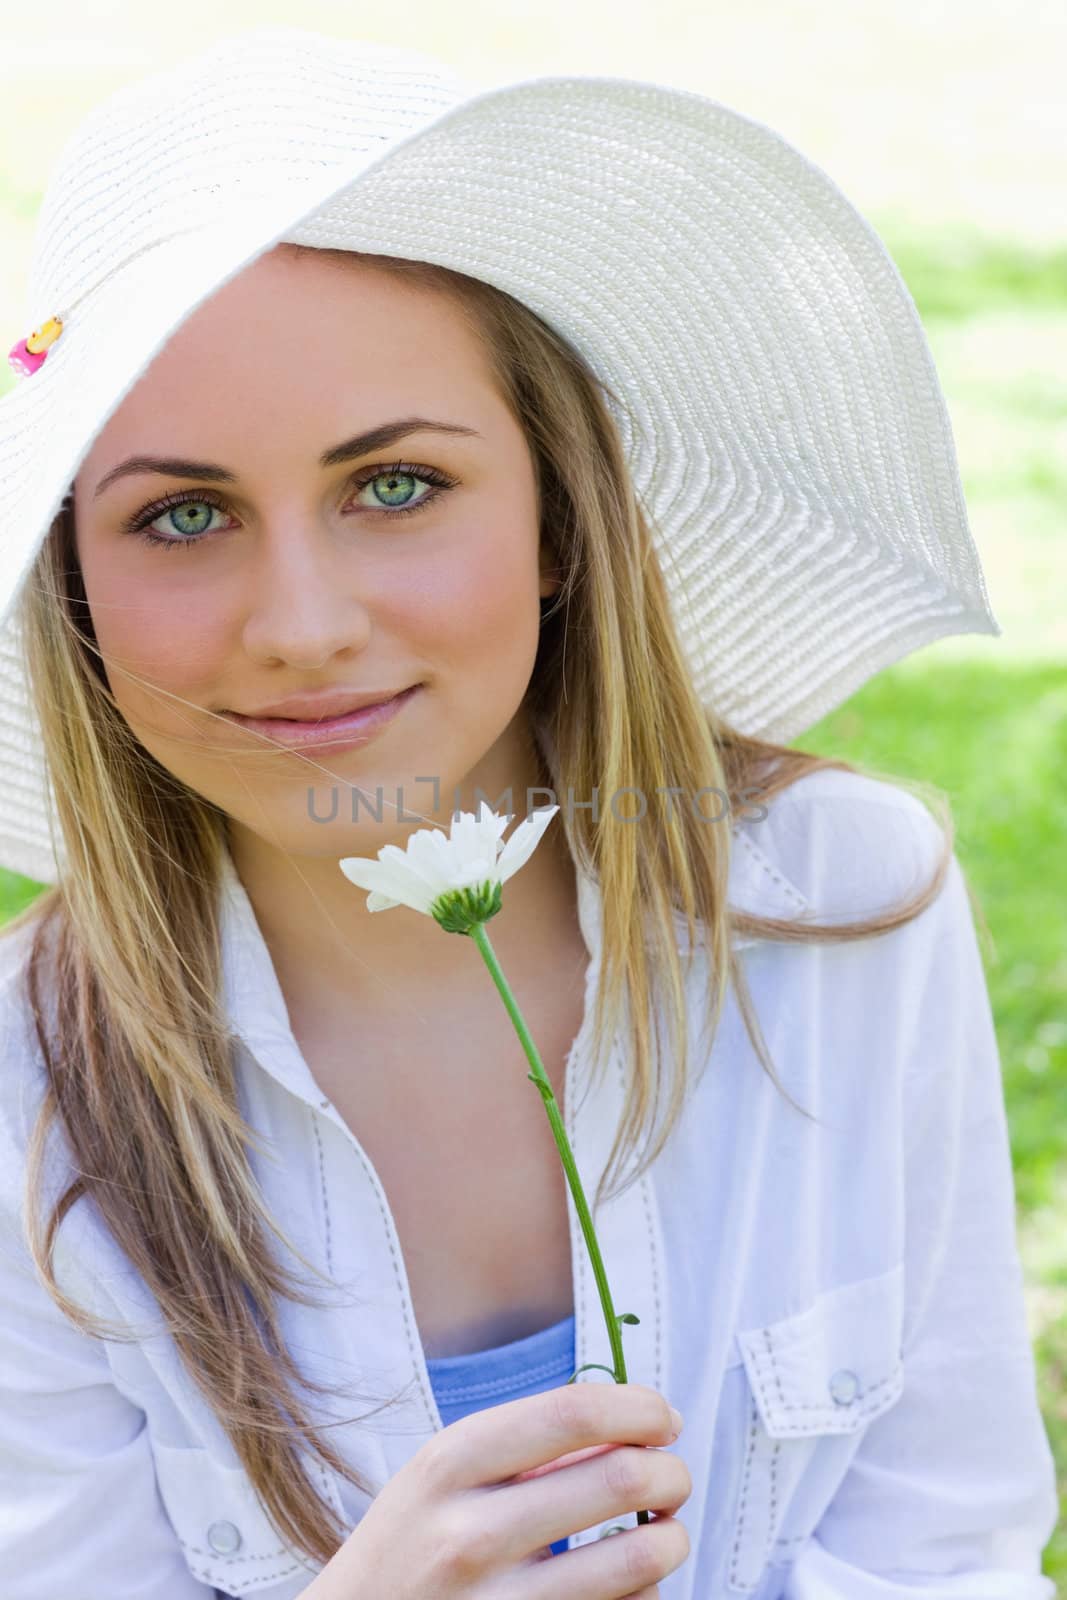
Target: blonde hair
{"type": "Point", "coordinates": [138, 1058]}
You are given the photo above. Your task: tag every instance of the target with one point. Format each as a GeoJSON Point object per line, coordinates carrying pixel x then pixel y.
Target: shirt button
{"type": "Point", "coordinates": [224, 1538]}
{"type": "Point", "coordinates": [844, 1386]}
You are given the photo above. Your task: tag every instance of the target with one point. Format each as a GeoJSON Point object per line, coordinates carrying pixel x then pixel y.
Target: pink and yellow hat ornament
{"type": "Point", "coordinates": [26, 356]}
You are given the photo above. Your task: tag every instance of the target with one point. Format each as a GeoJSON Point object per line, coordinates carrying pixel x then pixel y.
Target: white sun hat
{"type": "Point", "coordinates": [779, 406]}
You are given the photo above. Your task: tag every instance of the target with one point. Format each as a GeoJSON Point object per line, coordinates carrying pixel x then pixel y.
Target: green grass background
{"type": "Point", "coordinates": [887, 102]}
{"type": "Point", "coordinates": [986, 720]}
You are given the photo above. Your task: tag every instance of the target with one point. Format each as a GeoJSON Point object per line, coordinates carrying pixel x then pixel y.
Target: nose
{"type": "Point", "coordinates": [304, 603]}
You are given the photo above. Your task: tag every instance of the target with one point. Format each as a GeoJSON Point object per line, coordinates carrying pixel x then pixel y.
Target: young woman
{"type": "Point", "coordinates": [584, 426]}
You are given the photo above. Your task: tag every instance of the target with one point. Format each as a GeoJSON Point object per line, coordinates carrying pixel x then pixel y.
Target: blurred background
{"type": "Point", "coordinates": [946, 124]}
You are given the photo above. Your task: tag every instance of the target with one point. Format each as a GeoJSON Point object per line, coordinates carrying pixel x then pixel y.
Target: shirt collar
{"type": "Point", "coordinates": [256, 1006]}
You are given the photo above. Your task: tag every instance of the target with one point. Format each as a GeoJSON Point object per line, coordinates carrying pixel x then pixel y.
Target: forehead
{"type": "Point", "coordinates": [296, 345]}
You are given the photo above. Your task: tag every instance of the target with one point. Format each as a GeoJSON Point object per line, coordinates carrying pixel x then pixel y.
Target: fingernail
{"type": "Point", "coordinates": [676, 1419]}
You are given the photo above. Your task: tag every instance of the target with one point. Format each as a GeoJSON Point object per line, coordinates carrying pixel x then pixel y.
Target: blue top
{"type": "Point", "coordinates": [505, 1372]}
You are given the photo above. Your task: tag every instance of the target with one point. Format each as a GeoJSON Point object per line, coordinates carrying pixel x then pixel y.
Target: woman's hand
{"type": "Point", "coordinates": [472, 1514]}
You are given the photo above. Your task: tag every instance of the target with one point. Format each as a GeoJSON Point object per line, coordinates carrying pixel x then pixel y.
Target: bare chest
{"type": "Point", "coordinates": [470, 1169]}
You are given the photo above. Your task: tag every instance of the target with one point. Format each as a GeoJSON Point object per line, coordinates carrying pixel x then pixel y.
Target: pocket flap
{"type": "Point", "coordinates": [226, 1536]}
{"type": "Point", "coordinates": [833, 1367]}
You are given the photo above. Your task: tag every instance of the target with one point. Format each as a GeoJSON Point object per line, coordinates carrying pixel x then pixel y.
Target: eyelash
{"type": "Point", "coordinates": [139, 523]}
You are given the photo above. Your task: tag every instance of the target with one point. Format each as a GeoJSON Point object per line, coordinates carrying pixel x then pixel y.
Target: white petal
{"type": "Point", "coordinates": [473, 872]}
{"type": "Point", "coordinates": [425, 860]}
{"type": "Point", "coordinates": [392, 878]}
{"type": "Point", "coordinates": [462, 832]}
{"type": "Point", "coordinates": [428, 854]}
{"type": "Point", "coordinates": [524, 841]}
{"type": "Point", "coordinates": [381, 902]}
{"type": "Point", "coordinates": [474, 836]}
{"type": "Point", "coordinates": [364, 873]}
{"type": "Point", "coordinates": [492, 824]}
{"type": "Point", "coordinates": [484, 861]}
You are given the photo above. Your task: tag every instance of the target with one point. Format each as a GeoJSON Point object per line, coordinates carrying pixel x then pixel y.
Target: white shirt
{"type": "Point", "coordinates": [836, 1307]}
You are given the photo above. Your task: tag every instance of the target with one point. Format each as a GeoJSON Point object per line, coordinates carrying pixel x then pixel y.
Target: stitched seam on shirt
{"type": "Point", "coordinates": [413, 1349]}
{"type": "Point", "coordinates": [774, 1501]}
{"type": "Point", "coordinates": [318, 1466]}
{"type": "Point", "coordinates": [322, 1185]}
{"type": "Point", "coordinates": [749, 1453]}
{"type": "Point", "coordinates": [759, 1373]}
{"type": "Point", "coordinates": [576, 1249]}
{"type": "Point", "coordinates": [773, 1516]}
{"type": "Point", "coordinates": [463, 1391]}
{"type": "Point", "coordinates": [264, 1577]}
{"type": "Point", "coordinates": [646, 1199]}
{"type": "Point", "coordinates": [853, 1409]}
{"type": "Point", "coordinates": [764, 863]}
{"type": "Point", "coordinates": [268, 1555]}
{"type": "Point", "coordinates": [774, 1368]}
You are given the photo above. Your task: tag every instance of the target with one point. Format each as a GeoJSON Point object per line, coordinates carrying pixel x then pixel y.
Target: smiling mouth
{"type": "Point", "coordinates": [350, 727]}
{"type": "Point", "coordinates": [336, 716]}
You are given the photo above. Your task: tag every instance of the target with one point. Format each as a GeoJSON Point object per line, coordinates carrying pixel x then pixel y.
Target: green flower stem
{"type": "Point", "coordinates": [543, 1082]}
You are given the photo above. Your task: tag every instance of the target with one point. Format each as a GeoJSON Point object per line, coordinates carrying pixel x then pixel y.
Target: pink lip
{"type": "Point", "coordinates": [352, 728]}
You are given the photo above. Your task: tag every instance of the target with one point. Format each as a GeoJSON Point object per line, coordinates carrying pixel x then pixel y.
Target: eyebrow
{"type": "Point", "coordinates": [360, 444]}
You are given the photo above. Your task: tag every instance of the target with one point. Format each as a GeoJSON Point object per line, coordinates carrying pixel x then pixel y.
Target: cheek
{"type": "Point", "coordinates": [479, 606]}
{"type": "Point", "coordinates": [176, 647]}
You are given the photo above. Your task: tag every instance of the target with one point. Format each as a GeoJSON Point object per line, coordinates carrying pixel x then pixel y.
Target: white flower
{"type": "Point", "coordinates": [455, 878]}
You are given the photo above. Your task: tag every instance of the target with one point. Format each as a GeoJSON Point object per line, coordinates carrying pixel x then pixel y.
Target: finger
{"type": "Point", "coordinates": [609, 1567]}
{"type": "Point", "coordinates": [522, 1435]}
{"type": "Point", "coordinates": [532, 1514]}
{"type": "Point", "coordinates": [561, 1461]}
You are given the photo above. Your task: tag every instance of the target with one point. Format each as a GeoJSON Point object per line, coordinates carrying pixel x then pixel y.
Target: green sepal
{"type": "Point", "coordinates": [460, 910]}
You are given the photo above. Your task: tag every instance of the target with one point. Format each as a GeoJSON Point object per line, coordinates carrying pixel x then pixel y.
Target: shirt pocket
{"type": "Point", "coordinates": [226, 1537]}
{"type": "Point", "coordinates": [807, 1386]}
